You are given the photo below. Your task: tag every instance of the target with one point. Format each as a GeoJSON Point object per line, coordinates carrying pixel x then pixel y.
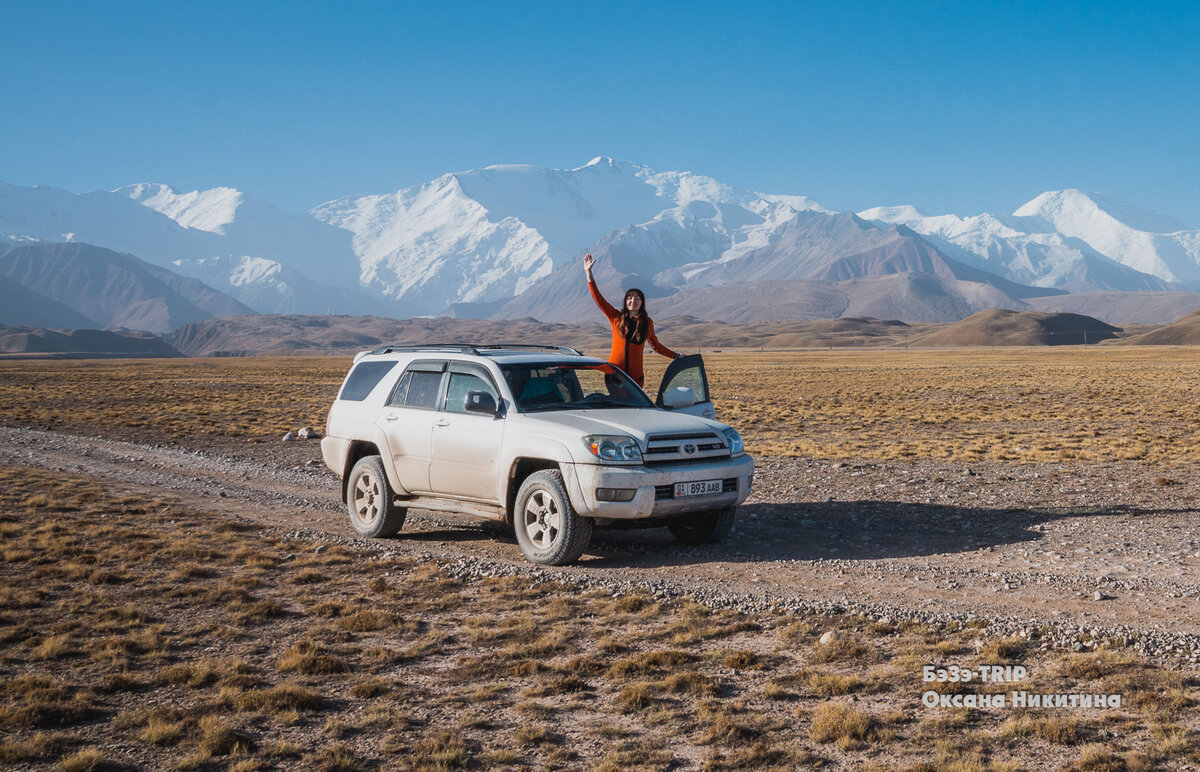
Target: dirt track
{"type": "Point", "coordinates": [1024, 546]}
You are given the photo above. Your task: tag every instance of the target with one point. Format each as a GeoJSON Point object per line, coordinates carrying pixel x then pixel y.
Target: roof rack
{"type": "Point", "coordinates": [568, 350]}
{"type": "Point", "coordinates": [463, 348]}
{"type": "Point", "coordinates": [468, 348]}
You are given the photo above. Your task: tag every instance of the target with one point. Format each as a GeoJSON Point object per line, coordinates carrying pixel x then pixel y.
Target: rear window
{"type": "Point", "coordinates": [363, 378]}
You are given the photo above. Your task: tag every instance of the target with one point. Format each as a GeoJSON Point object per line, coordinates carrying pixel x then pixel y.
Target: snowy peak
{"type": "Point", "coordinates": [1066, 239]}
{"type": "Point", "coordinates": [205, 210]}
{"type": "Point", "coordinates": [1076, 210]}
{"type": "Point", "coordinates": [799, 203]}
{"type": "Point", "coordinates": [893, 214]}
{"type": "Point", "coordinates": [1145, 241]}
{"type": "Point", "coordinates": [255, 229]}
{"type": "Point", "coordinates": [179, 230]}
{"type": "Point", "coordinates": [603, 163]}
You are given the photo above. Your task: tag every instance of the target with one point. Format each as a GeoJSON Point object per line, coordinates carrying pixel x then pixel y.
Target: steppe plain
{"type": "Point", "coordinates": [180, 590]}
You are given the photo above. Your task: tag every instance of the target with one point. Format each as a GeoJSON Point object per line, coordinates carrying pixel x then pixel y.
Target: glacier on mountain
{"type": "Point", "coordinates": [205, 210]}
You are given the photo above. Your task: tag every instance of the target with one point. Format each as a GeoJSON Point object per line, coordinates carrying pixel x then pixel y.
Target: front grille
{"type": "Point", "coordinates": [676, 448]}
{"type": "Point", "coordinates": [667, 492]}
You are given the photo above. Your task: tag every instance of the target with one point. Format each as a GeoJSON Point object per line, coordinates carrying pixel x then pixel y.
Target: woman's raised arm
{"type": "Point", "coordinates": [605, 306]}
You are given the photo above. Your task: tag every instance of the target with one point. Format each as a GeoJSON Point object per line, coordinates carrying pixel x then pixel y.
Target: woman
{"type": "Point", "coordinates": [631, 328]}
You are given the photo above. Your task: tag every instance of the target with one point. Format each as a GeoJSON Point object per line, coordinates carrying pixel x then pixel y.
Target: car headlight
{"type": "Point", "coordinates": [734, 440]}
{"type": "Point", "coordinates": [613, 449]}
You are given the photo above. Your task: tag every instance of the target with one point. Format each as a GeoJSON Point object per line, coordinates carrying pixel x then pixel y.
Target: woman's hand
{"type": "Point", "coordinates": [588, 262]}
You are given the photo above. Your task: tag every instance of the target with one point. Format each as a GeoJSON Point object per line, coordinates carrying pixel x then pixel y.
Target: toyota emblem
{"type": "Point", "coordinates": [689, 448]}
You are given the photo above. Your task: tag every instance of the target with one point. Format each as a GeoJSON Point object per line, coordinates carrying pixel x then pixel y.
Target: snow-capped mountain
{"type": "Point", "coordinates": [205, 210]}
{"type": "Point", "coordinates": [110, 289]}
{"type": "Point", "coordinates": [825, 250]}
{"type": "Point", "coordinates": [1145, 241]}
{"type": "Point", "coordinates": [1068, 239]}
{"type": "Point", "coordinates": [268, 259]}
{"type": "Point", "coordinates": [252, 231]}
{"type": "Point", "coordinates": [486, 236]}
{"type": "Point", "coordinates": [507, 240]}
{"type": "Point", "coordinates": [109, 220]}
{"type": "Point", "coordinates": [489, 234]}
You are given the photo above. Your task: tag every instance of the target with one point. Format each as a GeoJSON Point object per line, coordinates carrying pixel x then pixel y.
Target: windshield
{"type": "Point", "coordinates": [572, 387]}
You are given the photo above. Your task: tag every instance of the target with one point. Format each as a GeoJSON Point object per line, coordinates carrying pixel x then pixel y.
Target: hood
{"type": "Point", "coordinates": [635, 422]}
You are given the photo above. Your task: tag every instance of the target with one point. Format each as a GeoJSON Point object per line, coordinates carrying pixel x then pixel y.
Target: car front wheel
{"type": "Point", "coordinates": [548, 529]}
{"type": "Point", "coordinates": [704, 527]}
{"type": "Point", "coordinates": [370, 501]}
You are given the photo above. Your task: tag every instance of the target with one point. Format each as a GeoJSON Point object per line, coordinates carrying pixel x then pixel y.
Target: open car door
{"type": "Point", "coordinates": [684, 388]}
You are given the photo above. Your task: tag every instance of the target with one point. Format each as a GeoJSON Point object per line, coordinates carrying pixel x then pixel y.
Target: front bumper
{"type": "Point", "coordinates": [583, 480]}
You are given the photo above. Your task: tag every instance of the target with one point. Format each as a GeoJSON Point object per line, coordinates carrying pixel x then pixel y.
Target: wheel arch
{"type": "Point", "coordinates": [360, 449]}
{"type": "Point", "coordinates": [521, 468]}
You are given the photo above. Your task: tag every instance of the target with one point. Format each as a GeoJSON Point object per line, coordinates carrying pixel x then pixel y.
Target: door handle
{"type": "Point", "coordinates": [391, 417]}
{"type": "Point", "coordinates": [441, 422]}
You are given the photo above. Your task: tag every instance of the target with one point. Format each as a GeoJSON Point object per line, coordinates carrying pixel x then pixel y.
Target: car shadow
{"type": "Point", "coordinates": [469, 531]}
{"type": "Point", "coordinates": [845, 530]}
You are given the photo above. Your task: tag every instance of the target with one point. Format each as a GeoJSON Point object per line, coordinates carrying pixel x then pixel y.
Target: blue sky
{"type": "Point", "coordinates": [951, 106]}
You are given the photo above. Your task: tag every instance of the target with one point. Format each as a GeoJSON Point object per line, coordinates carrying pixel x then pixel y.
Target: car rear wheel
{"type": "Point", "coordinates": [370, 501]}
{"type": "Point", "coordinates": [548, 529]}
{"type": "Point", "coordinates": [704, 527]}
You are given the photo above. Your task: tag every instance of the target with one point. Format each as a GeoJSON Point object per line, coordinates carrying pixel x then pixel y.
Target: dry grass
{"type": "Point", "coordinates": [82, 760]}
{"type": "Point", "coordinates": [426, 671]}
{"type": "Point", "coordinates": [170, 399]}
{"type": "Point", "coordinates": [1025, 405]}
{"type": "Point", "coordinates": [846, 726]}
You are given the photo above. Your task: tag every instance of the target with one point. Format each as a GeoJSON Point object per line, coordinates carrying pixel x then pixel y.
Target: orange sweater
{"type": "Point", "coordinates": [626, 355]}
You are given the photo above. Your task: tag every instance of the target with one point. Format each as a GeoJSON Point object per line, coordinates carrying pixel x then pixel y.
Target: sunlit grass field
{"type": "Point", "coordinates": [162, 399]}
{"type": "Point", "coordinates": [1029, 404]}
{"type": "Point", "coordinates": [1026, 405]}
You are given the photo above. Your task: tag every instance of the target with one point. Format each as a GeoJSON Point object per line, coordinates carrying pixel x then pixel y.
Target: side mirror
{"type": "Point", "coordinates": [479, 402]}
{"type": "Point", "coordinates": [678, 397]}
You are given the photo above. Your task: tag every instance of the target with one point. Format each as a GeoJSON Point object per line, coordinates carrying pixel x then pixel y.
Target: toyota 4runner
{"type": "Point", "coordinates": [543, 438]}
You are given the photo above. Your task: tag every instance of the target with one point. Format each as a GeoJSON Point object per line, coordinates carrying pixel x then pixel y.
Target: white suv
{"type": "Point", "coordinates": [541, 437]}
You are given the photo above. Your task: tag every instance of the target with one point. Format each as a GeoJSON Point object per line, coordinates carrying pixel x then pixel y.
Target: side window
{"type": "Point", "coordinates": [423, 390]}
{"type": "Point", "coordinates": [692, 378]}
{"type": "Point", "coordinates": [401, 391]}
{"type": "Point", "coordinates": [363, 379]}
{"type": "Point", "coordinates": [460, 384]}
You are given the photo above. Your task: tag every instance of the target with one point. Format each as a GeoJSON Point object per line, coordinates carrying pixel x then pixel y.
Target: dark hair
{"type": "Point", "coordinates": [633, 329]}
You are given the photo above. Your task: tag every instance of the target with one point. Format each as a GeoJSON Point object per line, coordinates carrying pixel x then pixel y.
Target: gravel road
{"type": "Point", "coordinates": [1068, 555]}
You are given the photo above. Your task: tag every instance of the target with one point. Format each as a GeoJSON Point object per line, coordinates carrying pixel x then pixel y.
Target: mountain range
{"type": "Point", "coordinates": [505, 242]}
{"type": "Point", "coordinates": [73, 286]}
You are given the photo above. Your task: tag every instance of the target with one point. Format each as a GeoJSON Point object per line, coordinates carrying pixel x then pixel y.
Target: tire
{"type": "Point", "coordinates": [371, 502]}
{"type": "Point", "coordinates": [704, 527]}
{"type": "Point", "coordinates": [548, 529]}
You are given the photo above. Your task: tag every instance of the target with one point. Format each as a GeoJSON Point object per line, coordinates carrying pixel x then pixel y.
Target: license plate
{"type": "Point", "coordinates": [698, 488]}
